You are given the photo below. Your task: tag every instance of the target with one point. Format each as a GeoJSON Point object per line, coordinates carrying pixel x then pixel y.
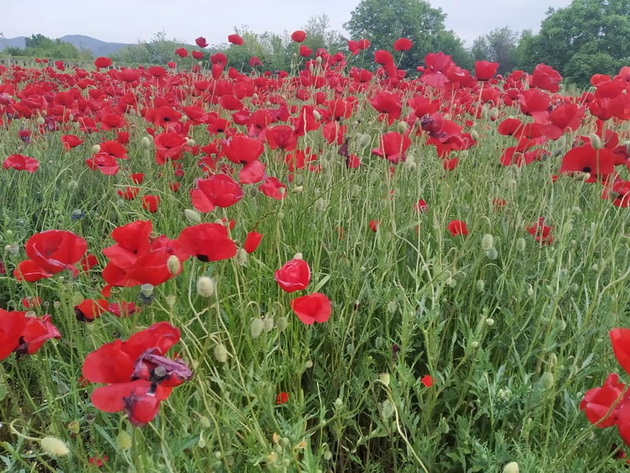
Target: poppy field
{"type": "Point", "coordinates": [332, 268]}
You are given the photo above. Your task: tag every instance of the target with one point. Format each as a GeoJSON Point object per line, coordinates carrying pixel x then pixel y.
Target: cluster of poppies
{"type": "Point", "coordinates": [610, 404]}
{"type": "Point", "coordinates": [295, 275]}
{"type": "Point", "coordinates": [137, 373]}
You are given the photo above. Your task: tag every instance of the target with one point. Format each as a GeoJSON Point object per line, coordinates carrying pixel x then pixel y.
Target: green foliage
{"type": "Point", "coordinates": [500, 45]}
{"type": "Point", "coordinates": [384, 22]}
{"type": "Point", "coordinates": [41, 46]}
{"type": "Point", "coordinates": [586, 36]}
{"type": "Point", "coordinates": [159, 50]}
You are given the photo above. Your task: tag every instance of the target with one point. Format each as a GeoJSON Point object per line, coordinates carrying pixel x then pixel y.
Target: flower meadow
{"type": "Point", "coordinates": [330, 268]}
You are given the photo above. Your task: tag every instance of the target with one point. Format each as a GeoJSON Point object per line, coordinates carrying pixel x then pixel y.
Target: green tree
{"type": "Point", "coordinates": [384, 21]}
{"type": "Point", "coordinates": [581, 38]}
{"type": "Point", "coordinates": [500, 45]}
{"type": "Point", "coordinates": [159, 50]}
{"type": "Point", "coordinates": [39, 45]}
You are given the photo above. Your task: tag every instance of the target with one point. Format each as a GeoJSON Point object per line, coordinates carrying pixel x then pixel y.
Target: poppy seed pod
{"type": "Point", "coordinates": [511, 467]}
{"type": "Point", "coordinates": [124, 440]}
{"type": "Point", "coordinates": [487, 241]}
{"type": "Point", "coordinates": [174, 265]}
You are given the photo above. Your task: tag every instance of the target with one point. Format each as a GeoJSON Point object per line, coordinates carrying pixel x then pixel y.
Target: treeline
{"type": "Point", "coordinates": [587, 37]}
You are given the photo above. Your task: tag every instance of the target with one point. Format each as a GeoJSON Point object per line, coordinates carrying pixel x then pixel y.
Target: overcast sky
{"type": "Point", "coordinates": [129, 21]}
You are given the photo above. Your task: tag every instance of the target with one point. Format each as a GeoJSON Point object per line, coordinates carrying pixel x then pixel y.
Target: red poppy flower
{"type": "Point", "coordinates": [219, 190]}
{"type": "Point", "coordinates": [103, 162]}
{"type": "Point", "coordinates": [421, 206]}
{"type": "Point", "coordinates": [102, 62]}
{"type": "Point", "coordinates": [394, 146]}
{"type": "Point", "coordinates": [169, 146]}
{"type": "Point", "coordinates": [252, 241]}
{"type": "Point", "coordinates": [298, 36]}
{"type": "Point", "coordinates": [181, 52]}
{"type": "Point", "coordinates": [402, 44]}
{"type": "Point", "coordinates": [137, 259]}
{"type": "Point", "coordinates": [374, 224]}
{"type": "Point", "coordinates": [198, 55]}
{"type": "Point", "coordinates": [50, 252]}
{"type": "Point", "coordinates": [235, 39]}
{"type": "Point", "coordinates": [252, 173]}
{"type": "Point", "coordinates": [129, 193]}
{"type": "Point", "coordinates": [427, 380]}
{"type": "Point", "coordinates": [282, 398]}
{"type": "Point", "coordinates": [90, 309]}
{"type": "Point", "coordinates": [207, 241]}
{"type": "Point", "coordinates": [281, 136]}
{"type": "Point", "coordinates": [12, 325]}
{"type": "Point", "coordinates": [305, 51]}
{"type": "Point", "coordinates": [150, 202]}
{"type": "Point", "coordinates": [242, 149]}
{"type": "Point", "coordinates": [388, 103]}
{"type": "Point", "coordinates": [599, 163]}
{"type": "Point", "coordinates": [201, 42]}
{"type": "Point", "coordinates": [541, 232]}
{"type": "Point", "coordinates": [457, 227]}
{"type": "Point", "coordinates": [312, 308]}
{"type": "Point", "coordinates": [546, 77]}
{"type": "Point", "coordinates": [36, 331]}
{"type": "Point", "coordinates": [273, 188]}
{"type": "Point", "coordinates": [138, 373]}
{"type": "Point", "coordinates": [485, 70]}
{"type": "Point", "coordinates": [293, 276]}
{"type": "Point", "coordinates": [70, 141]}
{"type": "Point", "coordinates": [601, 404]}
{"type": "Point", "coordinates": [21, 163]}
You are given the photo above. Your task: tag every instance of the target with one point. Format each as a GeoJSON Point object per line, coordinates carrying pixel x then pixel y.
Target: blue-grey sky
{"type": "Point", "coordinates": [129, 21]}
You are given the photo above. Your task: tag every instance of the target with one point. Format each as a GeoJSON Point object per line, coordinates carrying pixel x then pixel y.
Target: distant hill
{"type": "Point", "coordinates": [95, 46]}
{"type": "Point", "coordinates": [12, 42]}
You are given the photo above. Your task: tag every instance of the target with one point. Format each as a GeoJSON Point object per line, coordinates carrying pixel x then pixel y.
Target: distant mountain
{"type": "Point", "coordinates": [98, 47]}
{"type": "Point", "coordinates": [95, 46]}
{"type": "Point", "coordinates": [12, 42]}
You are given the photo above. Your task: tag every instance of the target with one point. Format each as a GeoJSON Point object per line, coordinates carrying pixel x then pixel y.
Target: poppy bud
{"type": "Point", "coordinates": [321, 204]}
{"type": "Point", "coordinates": [384, 378]}
{"type": "Point", "coordinates": [481, 284]}
{"type": "Point", "coordinates": [192, 216]}
{"type": "Point", "coordinates": [174, 265]}
{"type": "Point", "coordinates": [521, 244]}
{"type": "Point", "coordinates": [241, 256]}
{"type": "Point", "coordinates": [256, 327]}
{"type": "Point", "coordinates": [388, 408]}
{"type": "Point", "coordinates": [282, 323]}
{"type": "Point", "coordinates": [268, 324]}
{"type": "Point", "coordinates": [474, 135]}
{"type": "Point", "coordinates": [146, 142]}
{"type": "Point", "coordinates": [54, 446]}
{"type": "Point", "coordinates": [206, 286]}
{"type": "Point", "coordinates": [41, 120]}
{"type": "Point", "coordinates": [492, 254]}
{"type": "Point", "coordinates": [489, 322]}
{"type": "Point", "coordinates": [402, 127]}
{"type": "Point", "coordinates": [317, 115]}
{"type": "Point", "coordinates": [487, 241]}
{"type": "Point", "coordinates": [298, 189]}
{"type": "Point", "coordinates": [511, 467]}
{"type": "Point", "coordinates": [96, 149]}
{"type": "Point", "coordinates": [205, 422]}
{"type": "Point", "coordinates": [546, 381]}
{"type": "Point", "coordinates": [596, 141]}
{"type": "Point", "coordinates": [146, 290]}
{"type": "Point", "coordinates": [220, 353]}
{"type": "Point", "coordinates": [364, 140]}
{"type": "Point", "coordinates": [124, 440]}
